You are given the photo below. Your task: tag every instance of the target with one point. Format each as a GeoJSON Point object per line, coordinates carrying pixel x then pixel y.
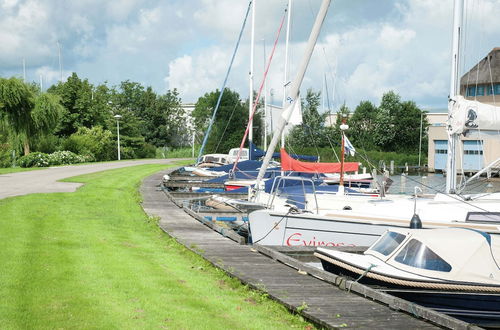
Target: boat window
{"type": "Point", "coordinates": [416, 254]}
{"type": "Point", "coordinates": [244, 153]}
{"type": "Point", "coordinates": [388, 243]}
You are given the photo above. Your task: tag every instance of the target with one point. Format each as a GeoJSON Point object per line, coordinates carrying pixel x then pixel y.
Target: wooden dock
{"type": "Point", "coordinates": [324, 298]}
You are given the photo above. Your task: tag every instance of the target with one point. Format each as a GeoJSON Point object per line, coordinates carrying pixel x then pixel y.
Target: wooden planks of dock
{"type": "Point", "coordinates": [326, 304]}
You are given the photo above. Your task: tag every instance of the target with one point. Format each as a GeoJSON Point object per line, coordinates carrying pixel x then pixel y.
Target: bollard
{"type": "Point", "coordinates": [403, 183]}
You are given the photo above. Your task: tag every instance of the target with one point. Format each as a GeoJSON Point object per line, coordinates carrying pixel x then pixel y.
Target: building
{"type": "Point", "coordinates": [481, 83]}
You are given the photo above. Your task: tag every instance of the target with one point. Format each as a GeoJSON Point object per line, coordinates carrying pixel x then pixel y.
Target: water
{"type": "Point", "coordinates": [431, 183]}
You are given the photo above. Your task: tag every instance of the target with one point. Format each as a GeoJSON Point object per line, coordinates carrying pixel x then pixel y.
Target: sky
{"type": "Point", "coordinates": [365, 49]}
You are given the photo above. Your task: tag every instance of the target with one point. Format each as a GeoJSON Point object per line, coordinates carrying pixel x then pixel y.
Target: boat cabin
{"type": "Point", "coordinates": [452, 254]}
{"type": "Point", "coordinates": [233, 155]}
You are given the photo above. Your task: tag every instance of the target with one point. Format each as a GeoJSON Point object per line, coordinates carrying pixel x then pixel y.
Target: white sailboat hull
{"type": "Point", "coordinates": [366, 220]}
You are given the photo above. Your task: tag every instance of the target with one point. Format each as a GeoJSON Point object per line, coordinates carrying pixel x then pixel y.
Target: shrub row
{"type": "Point", "coordinates": [40, 159]}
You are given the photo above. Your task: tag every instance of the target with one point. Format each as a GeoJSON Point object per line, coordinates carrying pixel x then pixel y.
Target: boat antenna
{"type": "Point", "coordinates": [207, 133]}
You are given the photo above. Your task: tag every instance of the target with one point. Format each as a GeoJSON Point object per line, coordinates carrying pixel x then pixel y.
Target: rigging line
{"type": "Point", "coordinates": [260, 89]}
{"type": "Point", "coordinates": [449, 195]}
{"type": "Point", "coordinates": [333, 148]}
{"type": "Point", "coordinates": [223, 84]}
{"type": "Point", "coordinates": [227, 124]}
{"type": "Point", "coordinates": [275, 226]}
{"type": "Point", "coordinates": [491, 81]}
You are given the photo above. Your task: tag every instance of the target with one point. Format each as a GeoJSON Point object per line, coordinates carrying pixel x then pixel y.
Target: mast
{"type": "Point", "coordinates": [265, 99]}
{"type": "Point", "coordinates": [343, 128]}
{"type": "Point", "coordinates": [285, 79]}
{"type": "Point", "coordinates": [250, 73]}
{"type": "Point", "coordinates": [451, 168]}
{"type": "Point", "coordinates": [214, 113]}
{"type": "Point", "coordinates": [294, 89]}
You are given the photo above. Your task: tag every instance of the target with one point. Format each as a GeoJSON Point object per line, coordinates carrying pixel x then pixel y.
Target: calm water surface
{"type": "Point", "coordinates": [431, 183]}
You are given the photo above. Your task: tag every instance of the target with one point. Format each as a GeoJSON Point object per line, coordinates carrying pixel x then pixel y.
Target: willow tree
{"type": "Point", "coordinates": [27, 113]}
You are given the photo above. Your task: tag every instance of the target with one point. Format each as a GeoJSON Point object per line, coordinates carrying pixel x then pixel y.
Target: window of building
{"type": "Point", "coordinates": [473, 152]}
{"type": "Point", "coordinates": [471, 91]}
{"type": "Point", "coordinates": [489, 90]}
{"type": "Point", "coordinates": [480, 91]}
{"type": "Point", "coordinates": [497, 89]}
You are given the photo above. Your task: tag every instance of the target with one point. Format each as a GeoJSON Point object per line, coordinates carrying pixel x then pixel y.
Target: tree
{"type": "Point", "coordinates": [362, 124]}
{"type": "Point", "coordinates": [230, 122]}
{"type": "Point", "coordinates": [83, 106]}
{"type": "Point", "coordinates": [312, 131]}
{"type": "Point", "coordinates": [165, 121]}
{"type": "Point", "coordinates": [28, 113]}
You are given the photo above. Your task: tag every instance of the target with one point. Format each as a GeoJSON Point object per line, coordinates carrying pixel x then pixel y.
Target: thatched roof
{"type": "Point", "coordinates": [489, 70]}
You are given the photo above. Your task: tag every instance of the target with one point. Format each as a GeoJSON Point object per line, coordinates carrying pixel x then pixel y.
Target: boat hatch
{"type": "Point", "coordinates": [388, 243]}
{"type": "Point", "coordinates": [416, 254]}
{"type": "Point", "coordinates": [483, 217]}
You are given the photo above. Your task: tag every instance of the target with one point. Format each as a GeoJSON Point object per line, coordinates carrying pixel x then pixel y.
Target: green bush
{"type": "Point", "coordinates": [34, 159]}
{"type": "Point", "coordinates": [65, 158]}
{"type": "Point", "coordinates": [93, 143]}
{"type": "Point", "coordinates": [46, 144]}
{"type": "Point", "coordinates": [5, 155]}
{"type": "Point", "coordinates": [147, 151]}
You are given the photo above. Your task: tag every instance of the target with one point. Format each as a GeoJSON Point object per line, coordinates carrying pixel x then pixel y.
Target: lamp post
{"type": "Point", "coordinates": [118, 117]}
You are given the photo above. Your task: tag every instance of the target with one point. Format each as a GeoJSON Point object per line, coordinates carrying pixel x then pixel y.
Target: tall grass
{"type": "Point", "coordinates": [93, 259]}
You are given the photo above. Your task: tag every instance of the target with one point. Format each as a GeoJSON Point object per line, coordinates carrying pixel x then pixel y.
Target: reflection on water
{"type": "Point", "coordinates": [431, 183]}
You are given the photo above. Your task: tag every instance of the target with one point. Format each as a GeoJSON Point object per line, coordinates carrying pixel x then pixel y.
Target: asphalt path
{"type": "Point", "coordinates": [47, 180]}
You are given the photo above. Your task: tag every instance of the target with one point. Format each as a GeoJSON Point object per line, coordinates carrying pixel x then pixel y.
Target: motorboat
{"type": "Point", "coordinates": [452, 270]}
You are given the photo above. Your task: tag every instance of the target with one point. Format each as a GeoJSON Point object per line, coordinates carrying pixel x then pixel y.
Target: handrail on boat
{"type": "Point", "coordinates": [279, 179]}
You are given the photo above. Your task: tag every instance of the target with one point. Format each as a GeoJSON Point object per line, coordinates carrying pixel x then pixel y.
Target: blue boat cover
{"type": "Point", "coordinates": [256, 153]}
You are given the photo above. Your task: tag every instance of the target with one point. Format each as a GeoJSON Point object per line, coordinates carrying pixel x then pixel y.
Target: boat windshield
{"type": "Point", "coordinates": [388, 243]}
{"type": "Point", "coordinates": [416, 254]}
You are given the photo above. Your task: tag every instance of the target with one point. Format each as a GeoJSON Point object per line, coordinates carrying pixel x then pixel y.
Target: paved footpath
{"type": "Point", "coordinates": [46, 180]}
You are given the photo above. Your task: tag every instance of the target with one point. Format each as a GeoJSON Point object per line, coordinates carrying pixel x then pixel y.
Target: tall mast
{"type": "Point", "coordinates": [250, 73]}
{"type": "Point", "coordinates": [285, 79]}
{"type": "Point", "coordinates": [451, 168]}
{"type": "Point", "coordinates": [265, 99]}
{"type": "Point", "coordinates": [294, 89]}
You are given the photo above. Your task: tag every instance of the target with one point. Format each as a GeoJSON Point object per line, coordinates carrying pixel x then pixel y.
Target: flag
{"type": "Point", "coordinates": [348, 147]}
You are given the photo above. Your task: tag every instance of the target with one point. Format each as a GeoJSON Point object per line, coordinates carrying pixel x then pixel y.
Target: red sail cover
{"type": "Point", "coordinates": [290, 164]}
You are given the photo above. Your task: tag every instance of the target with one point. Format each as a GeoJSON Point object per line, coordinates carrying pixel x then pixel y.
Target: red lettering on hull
{"type": "Point", "coordinates": [295, 239]}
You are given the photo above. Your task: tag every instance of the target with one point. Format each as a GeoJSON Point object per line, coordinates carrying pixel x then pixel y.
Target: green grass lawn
{"type": "Point", "coordinates": [92, 259]}
{"type": "Point", "coordinates": [5, 170]}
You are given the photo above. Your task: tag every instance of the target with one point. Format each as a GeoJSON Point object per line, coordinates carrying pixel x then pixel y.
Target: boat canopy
{"type": "Point", "coordinates": [456, 254]}
{"type": "Point", "coordinates": [290, 164]}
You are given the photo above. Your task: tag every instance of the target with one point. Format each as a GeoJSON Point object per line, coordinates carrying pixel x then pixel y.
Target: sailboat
{"type": "Point", "coordinates": [350, 220]}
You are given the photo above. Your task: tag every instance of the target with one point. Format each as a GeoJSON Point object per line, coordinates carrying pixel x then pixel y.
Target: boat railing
{"type": "Point", "coordinates": [280, 180]}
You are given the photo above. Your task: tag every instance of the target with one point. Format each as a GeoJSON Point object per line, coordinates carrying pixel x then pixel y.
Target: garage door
{"type": "Point", "coordinates": [440, 154]}
{"type": "Point", "coordinates": [473, 155]}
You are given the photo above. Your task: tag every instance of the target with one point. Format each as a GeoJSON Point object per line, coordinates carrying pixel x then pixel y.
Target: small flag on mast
{"type": "Point", "coordinates": [348, 147]}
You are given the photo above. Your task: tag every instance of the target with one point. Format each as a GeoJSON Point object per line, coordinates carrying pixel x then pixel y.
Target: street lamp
{"type": "Point", "coordinates": [118, 117]}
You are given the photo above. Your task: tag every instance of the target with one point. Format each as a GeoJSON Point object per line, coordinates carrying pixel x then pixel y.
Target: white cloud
{"type": "Point", "coordinates": [392, 38]}
{"type": "Point", "coordinates": [196, 75]}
